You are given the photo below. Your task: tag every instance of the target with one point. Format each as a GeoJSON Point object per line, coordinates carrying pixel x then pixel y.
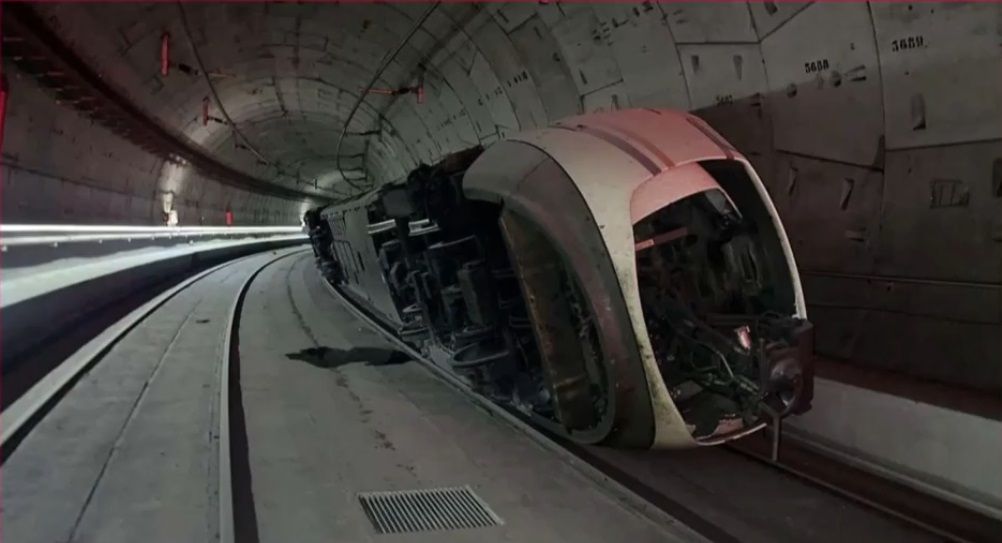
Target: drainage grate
{"type": "Point", "coordinates": [403, 511]}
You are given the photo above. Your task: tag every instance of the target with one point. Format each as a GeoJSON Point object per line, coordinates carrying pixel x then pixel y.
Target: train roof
{"type": "Point", "coordinates": [660, 139]}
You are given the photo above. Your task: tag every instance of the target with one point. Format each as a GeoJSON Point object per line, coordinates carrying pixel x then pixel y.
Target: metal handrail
{"type": "Point", "coordinates": [55, 234]}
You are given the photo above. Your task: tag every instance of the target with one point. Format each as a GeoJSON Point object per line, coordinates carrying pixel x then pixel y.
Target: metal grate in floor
{"type": "Point", "coordinates": [402, 511]}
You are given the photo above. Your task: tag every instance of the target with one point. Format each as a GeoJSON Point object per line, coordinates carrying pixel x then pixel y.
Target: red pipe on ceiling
{"type": "Point", "coordinates": [3, 107]}
{"type": "Point", "coordinates": [165, 54]}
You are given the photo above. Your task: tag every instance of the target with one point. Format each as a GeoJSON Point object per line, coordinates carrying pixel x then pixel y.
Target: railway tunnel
{"type": "Point", "coordinates": [876, 129]}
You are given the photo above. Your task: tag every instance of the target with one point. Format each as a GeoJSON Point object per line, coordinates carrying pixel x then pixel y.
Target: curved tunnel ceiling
{"type": "Point", "coordinates": [287, 75]}
{"type": "Point", "coordinates": [783, 81]}
{"type": "Point", "coordinates": [875, 126]}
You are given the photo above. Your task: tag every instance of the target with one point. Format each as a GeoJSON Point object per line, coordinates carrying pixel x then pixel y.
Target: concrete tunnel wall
{"type": "Point", "coordinates": [60, 167]}
{"type": "Point", "coordinates": [877, 128]}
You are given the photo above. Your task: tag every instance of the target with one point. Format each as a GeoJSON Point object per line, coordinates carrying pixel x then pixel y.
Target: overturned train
{"type": "Point", "coordinates": [619, 278]}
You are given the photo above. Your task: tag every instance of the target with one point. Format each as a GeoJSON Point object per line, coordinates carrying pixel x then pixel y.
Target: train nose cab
{"type": "Point", "coordinates": [717, 302]}
{"type": "Point", "coordinates": [703, 266]}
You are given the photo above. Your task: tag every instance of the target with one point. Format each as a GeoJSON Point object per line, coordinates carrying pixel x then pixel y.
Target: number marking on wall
{"type": "Point", "coordinates": [815, 66]}
{"type": "Point", "coordinates": [911, 42]}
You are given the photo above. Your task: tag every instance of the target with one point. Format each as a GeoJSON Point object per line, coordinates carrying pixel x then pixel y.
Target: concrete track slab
{"type": "Point", "coordinates": [330, 410]}
{"type": "Point", "coordinates": [130, 453]}
{"type": "Point", "coordinates": [331, 413]}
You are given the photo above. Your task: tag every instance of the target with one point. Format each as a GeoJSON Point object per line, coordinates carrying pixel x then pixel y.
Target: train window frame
{"type": "Point", "coordinates": [735, 179]}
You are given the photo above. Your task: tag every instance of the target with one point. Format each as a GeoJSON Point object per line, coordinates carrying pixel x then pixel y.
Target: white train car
{"type": "Point", "coordinates": [619, 278]}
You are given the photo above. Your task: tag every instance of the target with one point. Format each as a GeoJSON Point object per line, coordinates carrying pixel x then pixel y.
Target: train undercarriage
{"type": "Point", "coordinates": [486, 292]}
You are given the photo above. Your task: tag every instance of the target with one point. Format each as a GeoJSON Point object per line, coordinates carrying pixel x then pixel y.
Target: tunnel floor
{"type": "Point", "coordinates": [329, 411]}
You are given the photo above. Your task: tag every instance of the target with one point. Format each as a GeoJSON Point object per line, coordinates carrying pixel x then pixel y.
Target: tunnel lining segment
{"type": "Point", "coordinates": [38, 51]}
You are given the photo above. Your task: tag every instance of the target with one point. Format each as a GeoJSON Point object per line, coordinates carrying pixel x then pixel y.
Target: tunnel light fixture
{"type": "Point", "coordinates": [3, 107]}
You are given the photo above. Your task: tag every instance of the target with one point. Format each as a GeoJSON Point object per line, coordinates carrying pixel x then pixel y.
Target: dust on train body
{"type": "Point", "coordinates": [619, 278]}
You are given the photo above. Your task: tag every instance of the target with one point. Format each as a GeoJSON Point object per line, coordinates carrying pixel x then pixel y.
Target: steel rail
{"type": "Point", "coordinates": [838, 473]}
{"type": "Point", "coordinates": [21, 415]}
{"type": "Point", "coordinates": [89, 228]}
{"type": "Point", "coordinates": [970, 528]}
{"type": "Point", "coordinates": [228, 522]}
{"type": "Point", "coordinates": [25, 412]}
{"type": "Point", "coordinates": [55, 241]}
{"type": "Point", "coordinates": [55, 236]}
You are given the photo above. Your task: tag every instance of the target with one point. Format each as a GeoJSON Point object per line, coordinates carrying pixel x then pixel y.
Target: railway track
{"type": "Point", "coordinates": [802, 459]}
{"type": "Point", "coordinates": [793, 457]}
{"type": "Point", "coordinates": [395, 398]}
{"type": "Point", "coordinates": [237, 514]}
{"type": "Point", "coordinates": [618, 490]}
{"type": "Point", "coordinates": [235, 501]}
{"type": "Point", "coordinates": [629, 477]}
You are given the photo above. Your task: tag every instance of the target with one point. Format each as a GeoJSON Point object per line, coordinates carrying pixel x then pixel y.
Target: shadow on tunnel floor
{"type": "Point", "coordinates": [325, 357]}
